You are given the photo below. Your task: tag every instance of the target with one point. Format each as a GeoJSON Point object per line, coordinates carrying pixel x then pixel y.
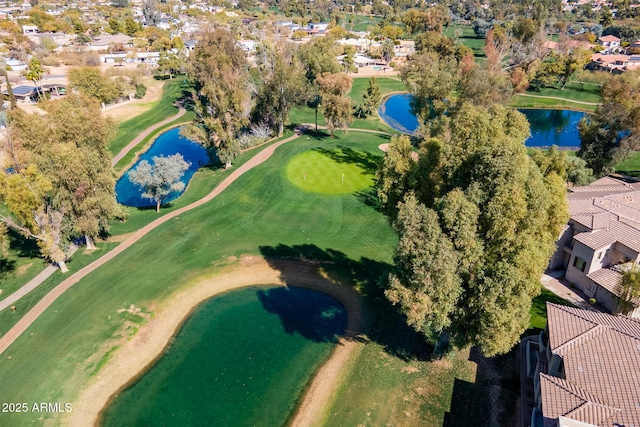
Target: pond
{"type": "Point", "coordinates": [167, 144]}
{"type": "Point", "coordinates": [548, 127]}
{"type": "Point", "coordinates": [240, 359]}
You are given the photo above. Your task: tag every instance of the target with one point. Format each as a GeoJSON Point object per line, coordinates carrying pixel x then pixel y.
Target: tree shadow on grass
{"type": "Point", "coordinates": [384, 324]}
{"type": "Point", "coordinates": [23, 247]}
{"type": "Point", "coordinates": [369, 197]}
{"type": "Point", "coordinates": [365, 160]}
{"type": "Point", "coordinates": [496, 381]}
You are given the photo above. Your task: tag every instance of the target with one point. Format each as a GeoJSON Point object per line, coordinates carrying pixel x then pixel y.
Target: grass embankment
{"type": "Point", "coordinates": [360, 85]}
{"type": "Point", "coordinates": [81, 258]}
{"type": "Point", "coordinates": [575, 96]}
{"type": "Point", "coordinates": [132, 155]}
{"type": "Point", "coordinates": [391, 383]}
{"type": "Point", "coordinates": [262, 213]}
{"type": "Point", "coordinates": [163, 108]}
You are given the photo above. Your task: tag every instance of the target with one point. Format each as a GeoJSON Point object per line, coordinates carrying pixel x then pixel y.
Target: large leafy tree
{"type": "Point", "coordinates": [371, 98]}
{"type": "Point", "coordinates": [223, 94]}
{"type": "Point", "coordinates": [27, 194]}
{"type": "Point", "coordinates": [610, 134]}
{"type": "Point", "coordinates": [160, 178]}
{"type": "Point", "coordinates": [336, 106]}
{"type": "Point", "coordinates": [284, 85]}
{"type": "Point", "coordinates": [477, 221]}
{"type": "Point", "coordinates": [91, 82]}
{"type": "Point", "coordinates": [69, 145]}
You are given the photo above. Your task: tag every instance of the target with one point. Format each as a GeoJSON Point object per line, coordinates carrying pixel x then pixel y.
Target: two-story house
{"type": "Point", "coordinates": [610, 43]}
{"type": "Point", "coordinates": [588, 370]}
{"type": "Point", "coordinates": [601, 241]}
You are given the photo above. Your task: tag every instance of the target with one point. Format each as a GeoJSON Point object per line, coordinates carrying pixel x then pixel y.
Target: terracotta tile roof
{"type": "Point", "coordinates": [608, 278]}
{"type": "Point", "coordinates": [601, 355]}
{"type": "Point", "coordinates": [609, 39]}
{"type": "Point", "coordinates": [565, 399]}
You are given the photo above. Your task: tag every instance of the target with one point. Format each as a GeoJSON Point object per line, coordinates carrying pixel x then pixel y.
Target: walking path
{"type": "Point", "coordinates": [559, 99]}
{"type": "Point", "coordinates": [33, 283]}
{"type": "Point", "coordinates": [553, 281]}
{"type": "Point", "coordinates": [44, 303]}
{"type": "Point", "coordinates": [144, 134]}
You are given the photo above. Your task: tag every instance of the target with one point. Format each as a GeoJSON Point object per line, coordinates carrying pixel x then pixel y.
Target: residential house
{"type": "Point", "coordinates": [362, 61]}
{"type": "Point", "coordinates": [587, 370]}
{"type": "Point", "coordinates": [614, 63]}
{"type": "Point", "coordinates": [249, 46]}
{"type": "Point", "coordinates": [610, 43]}
{"type": "Point", "coordinates": [320, 26]}
{"type": "Point", "coordinates": [601, 241]}
{"type": "Point", "coordinates": [30, 29]}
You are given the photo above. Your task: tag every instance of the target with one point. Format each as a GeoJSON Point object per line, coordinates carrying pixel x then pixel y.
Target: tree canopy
{"type": "Point", "coordinates": [223, 94]}
{"type": "Point", "coordinates": [610, 134]}
{"type": "Point", "coordinates": [160, 178]}
{"type": "Point", "coordinates": [477, 222]}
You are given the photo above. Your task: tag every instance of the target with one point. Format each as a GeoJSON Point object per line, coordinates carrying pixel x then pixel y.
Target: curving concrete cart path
{"type": "Point", "coordinates": [44, 303]}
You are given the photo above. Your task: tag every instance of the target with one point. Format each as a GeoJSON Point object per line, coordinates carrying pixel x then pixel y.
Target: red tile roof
{"type": "Point", "coordinates": [601, 355]}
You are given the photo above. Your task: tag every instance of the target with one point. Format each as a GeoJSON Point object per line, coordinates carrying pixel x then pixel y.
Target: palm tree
{"type": "Point", "coordinates": [35, 73]}
{"type": "Point", "coordinates": [388, 50]}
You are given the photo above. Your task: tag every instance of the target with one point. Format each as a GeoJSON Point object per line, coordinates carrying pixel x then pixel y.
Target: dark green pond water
{"type": "Point", "coordinates": [241, 359]}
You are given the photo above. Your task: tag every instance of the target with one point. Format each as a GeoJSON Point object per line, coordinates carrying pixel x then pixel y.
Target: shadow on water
{"type": "Point", "coordinates": [385, 325]}
{"type": "Point", "coordinates": [342, 154]}
{"type": "Point", "coordinates": [312, 315]}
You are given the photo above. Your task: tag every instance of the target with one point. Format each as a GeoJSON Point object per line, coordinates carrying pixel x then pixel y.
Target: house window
{"type": "Point", "coordinates": [579, 263]}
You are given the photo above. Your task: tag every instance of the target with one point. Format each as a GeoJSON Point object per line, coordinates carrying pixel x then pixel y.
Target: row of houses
{"type": "Point", "coordinates": [583, 369]}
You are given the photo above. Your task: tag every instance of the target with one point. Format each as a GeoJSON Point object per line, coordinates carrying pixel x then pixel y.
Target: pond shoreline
{"type": "Point", "coordinates": [135, 356]}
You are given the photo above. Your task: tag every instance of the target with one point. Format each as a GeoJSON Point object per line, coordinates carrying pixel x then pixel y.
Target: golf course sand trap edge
{"type": "Point", "coordinates": [141, 352]}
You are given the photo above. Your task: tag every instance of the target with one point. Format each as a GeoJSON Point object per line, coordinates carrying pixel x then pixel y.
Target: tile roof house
{"type": "Point", "coordinates": [610, 43]}
{"type": "Point", "coordinates": [601, 241]}
{"type": "Point", "coordinates": [587, 371]}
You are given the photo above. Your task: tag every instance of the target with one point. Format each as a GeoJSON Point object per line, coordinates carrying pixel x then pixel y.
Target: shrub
{"type": "Point", "coordinates": [572, 285]}
{"type": "Point", "coordinates": [592, 301]}
{"type": "Point", "coordinates": [141, 90]}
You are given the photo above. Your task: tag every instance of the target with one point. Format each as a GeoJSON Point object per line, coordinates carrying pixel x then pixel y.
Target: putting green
{"type": "Point", "coordinates": [336, 171]}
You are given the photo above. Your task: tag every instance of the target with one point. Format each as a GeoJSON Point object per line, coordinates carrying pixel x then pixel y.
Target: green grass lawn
{"type": "Point", "coordinates": [468, 38]}
{"type": "Point", "coordinates": [132, 155]}
{"type": "Point", "coordinates": [572, 92]}
{"type": "Point", "coordinates": [341, 170]}
{"type": "Point", "coordinates": [531, 102]}
{"type": "Point", "coordinates": [262, 213]}
{"type": "Point", "coordinates": [360, 84]}
{"type": "Point", "coordinates": [360, 22]}
{"type": "Point", "coordinates": [631, 166]}
{"type": "Point", "coordinates": [21, 264]}
{"type": "Point", "coordinates": [24, 304]}
{"type": "Point", "coordinates": [127, 130]}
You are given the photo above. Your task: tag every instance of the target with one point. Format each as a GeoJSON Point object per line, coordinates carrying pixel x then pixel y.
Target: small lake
{"type": "Point", "coordinates": [167, 144]}
{"type": "Point", "coordinates": [240, 359]}
{"type": "Point", "coordinates": [548, 127]}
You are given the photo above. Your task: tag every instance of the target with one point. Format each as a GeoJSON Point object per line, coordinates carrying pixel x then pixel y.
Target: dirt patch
{"type": "Point", "coordinates": [23, 269]}
{"type": "Point", "coordinates": [141, 351]}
